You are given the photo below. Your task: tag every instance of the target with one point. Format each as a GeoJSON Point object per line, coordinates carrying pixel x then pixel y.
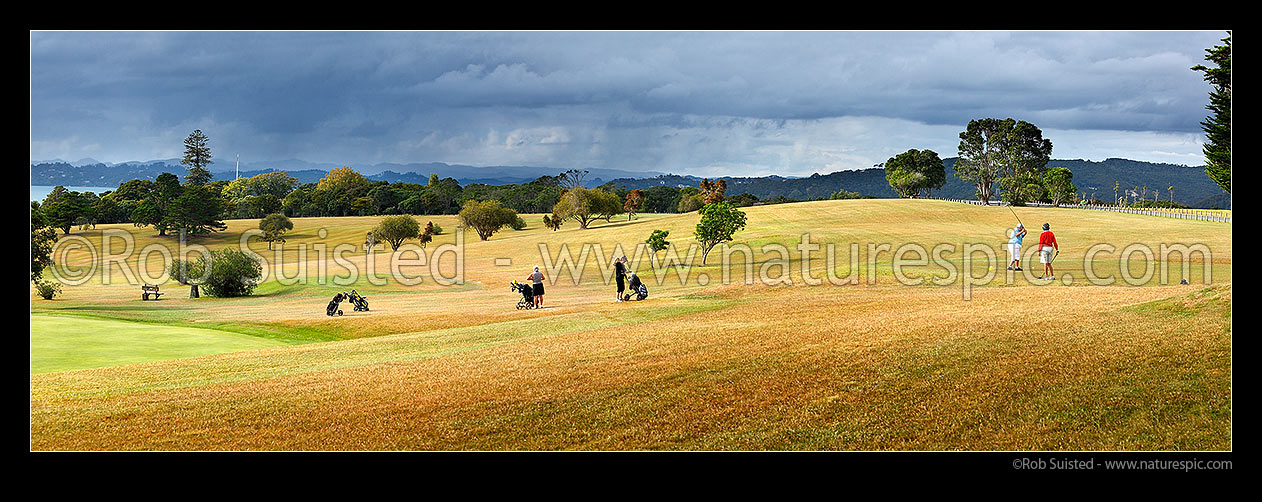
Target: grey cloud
{"type": "Point", "coordinates": [411, 96]}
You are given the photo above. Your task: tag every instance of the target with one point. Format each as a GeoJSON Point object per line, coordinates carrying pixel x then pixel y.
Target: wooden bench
{"type": "Point", "coordinates": [149, 289]}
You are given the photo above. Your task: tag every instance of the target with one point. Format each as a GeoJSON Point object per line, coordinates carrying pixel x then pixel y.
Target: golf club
{"type": "Point", "coordinates": [1014, 213]}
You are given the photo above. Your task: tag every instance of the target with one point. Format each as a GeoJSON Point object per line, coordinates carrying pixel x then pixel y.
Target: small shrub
{"type": "Point", "coordinates": [553, 223]}
{"type": "Point", "coordinates": [518, 224]}
{"type": "Point", "coordinates": [47, 290]}
{"type": "Point", "coordinates": [232, 273]}
{"type": "Point", "coordinates": [185, 271]}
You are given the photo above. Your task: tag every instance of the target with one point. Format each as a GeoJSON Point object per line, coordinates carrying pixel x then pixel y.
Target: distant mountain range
{"type": "Point", "coordinates": [89, 172]}
{"type": "Point", "coordinates": [1191, 186]}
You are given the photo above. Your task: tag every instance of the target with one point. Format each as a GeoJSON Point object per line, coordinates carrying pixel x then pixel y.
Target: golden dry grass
{"type": "Point", "coordinates": [857, 368]}
{"type": "Point", "coordinates": [885, 366]}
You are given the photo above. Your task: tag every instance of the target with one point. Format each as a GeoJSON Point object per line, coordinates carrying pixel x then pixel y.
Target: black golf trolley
{"type": "Point", "coordinates": [358, 301]}
{"type": "Point", "coordinates": [638, 291]}
{"type": "Point", "coordinates": [527, 295]}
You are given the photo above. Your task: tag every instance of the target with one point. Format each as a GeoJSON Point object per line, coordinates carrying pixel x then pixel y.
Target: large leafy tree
{"type": "Point", "coordinates": [396, 229]}
{"type": "Point", "coordinates": [1026, 153]}
{"type": "Point", "coordinates": [1217, 126]}
{"type": "Point", "coordinates": [486, 217]}
{"type": "Point", "coordinates": [979, 159]}
{"type": "Point", "coordinates": [992, 150]}
{"type": "Point", "coordinates": [196, 157]}
{"type": "Point", "coordinates": [580, 204]}
{"type": "Point", "coordinates": [915, 172]}
{"type": "Point", "coordinates": [196, 211]}
{"type": "Point", "coordinates": [719, 222]}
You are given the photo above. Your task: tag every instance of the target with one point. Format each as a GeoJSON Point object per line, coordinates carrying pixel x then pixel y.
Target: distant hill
{"type": "Point", "coordinates": [1191, 186]}
{"type": "Point", "coordinates": [81, 173]}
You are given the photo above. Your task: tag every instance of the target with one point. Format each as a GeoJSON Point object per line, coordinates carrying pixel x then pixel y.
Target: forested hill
{"type": "Point", "coordinates": [1191, 186]}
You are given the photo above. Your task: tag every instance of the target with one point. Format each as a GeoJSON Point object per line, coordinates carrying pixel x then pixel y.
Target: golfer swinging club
{"type": "Point", "coordinates": [1047, 244]}
{"type": "Point", "coordinates": [1014, 247]}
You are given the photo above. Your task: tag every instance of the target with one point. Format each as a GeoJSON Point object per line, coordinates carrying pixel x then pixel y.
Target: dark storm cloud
{"type": "Point", "coordinates": [590, 96]}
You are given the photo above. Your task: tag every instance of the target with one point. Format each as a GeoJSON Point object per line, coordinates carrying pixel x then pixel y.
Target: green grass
{"type": "Point", "coordinates": [61, 343]}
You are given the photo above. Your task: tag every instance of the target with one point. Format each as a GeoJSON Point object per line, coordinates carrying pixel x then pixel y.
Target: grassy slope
{"type": "Point", "coordinates": [859, 367]}
{"type": "Point", "coordinates": [61, 343]}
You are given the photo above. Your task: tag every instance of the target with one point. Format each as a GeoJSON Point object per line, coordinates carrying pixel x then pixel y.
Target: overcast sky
{"type": "Point", "coordinates": [703, 103]}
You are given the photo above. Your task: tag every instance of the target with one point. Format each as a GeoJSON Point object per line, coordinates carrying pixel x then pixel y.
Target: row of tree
{"type": "Point", "coordinates": [1007, 152]}
{"type": "Point", "coordinates": [197, 206]}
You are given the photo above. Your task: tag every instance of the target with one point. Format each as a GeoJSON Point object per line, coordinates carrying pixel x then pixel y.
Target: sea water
{"type": "Point", "coordinates": [38, 192]}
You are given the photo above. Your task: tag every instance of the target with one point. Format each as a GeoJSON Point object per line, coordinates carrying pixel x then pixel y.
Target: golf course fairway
{"type": "Point", "coordinates": [705, 363]}
{"type": "Point", "coordinates": [66, 343]}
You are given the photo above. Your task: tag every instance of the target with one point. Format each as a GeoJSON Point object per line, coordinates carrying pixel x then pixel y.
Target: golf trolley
{"type": "Point", "coordinates": [358, 301]}
{"type": "Point", "coordinates": [527, 295]}
{"type": "Point", "coordinates": [638, 289]}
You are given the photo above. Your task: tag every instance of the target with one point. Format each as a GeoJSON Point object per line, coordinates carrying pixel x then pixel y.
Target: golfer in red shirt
{"type": "Point", "coordinates": [1047, 244]}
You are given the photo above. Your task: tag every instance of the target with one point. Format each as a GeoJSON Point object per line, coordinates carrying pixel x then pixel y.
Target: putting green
{"type": "Point", "coordinates": [60, 343]}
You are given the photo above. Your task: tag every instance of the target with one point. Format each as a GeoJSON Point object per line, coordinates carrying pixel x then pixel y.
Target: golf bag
{"type": "Point", "coordinates": [360, 302]}
{"type": "Point", "coordinates": [332, 309]}
{"type": "Point", "coordinates": [637, 289]}
{"type": "Point", "coordinates": [527, 295]}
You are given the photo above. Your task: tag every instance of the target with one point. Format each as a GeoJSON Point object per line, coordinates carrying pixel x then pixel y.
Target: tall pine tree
{"type": "Point", "coordinates": [1217, 126]}
{"type": "Point", "coordinates": [197, 157]}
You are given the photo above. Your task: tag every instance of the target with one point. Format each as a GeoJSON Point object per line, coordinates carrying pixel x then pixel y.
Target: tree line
{"type": "Point", "coordinates": [195, 205]}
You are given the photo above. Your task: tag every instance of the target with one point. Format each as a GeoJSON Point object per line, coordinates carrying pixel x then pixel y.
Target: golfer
{"type": "Point", "coordinates": [536, 290]}
{"type": "Point", "coordinates": [1047, 244]}
{"type": "Point", "coordinates": [1014, 247]}
{"type": "Point", "coordinates": [619, 273]}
